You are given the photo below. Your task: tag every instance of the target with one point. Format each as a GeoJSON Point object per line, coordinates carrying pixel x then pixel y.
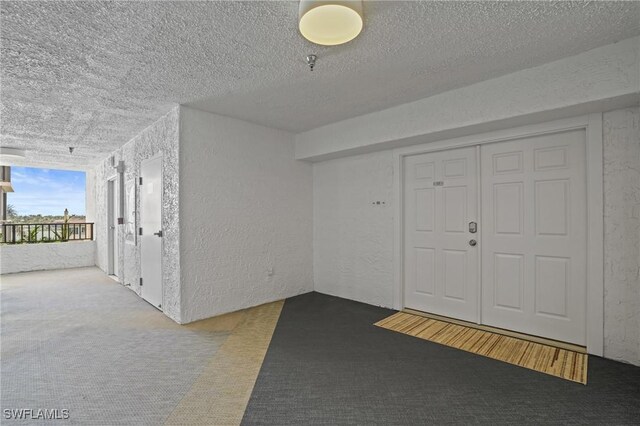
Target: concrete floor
{"type": "Point", "coordinates": [77, 340]}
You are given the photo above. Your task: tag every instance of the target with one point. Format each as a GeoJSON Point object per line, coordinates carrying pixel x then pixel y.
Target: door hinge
{"type": "Point", "coordinates": [140, 180]}
{"type": "Point", "coordinates": [139, 231]}
{"type": "Point", "coordinates": [140, 281]}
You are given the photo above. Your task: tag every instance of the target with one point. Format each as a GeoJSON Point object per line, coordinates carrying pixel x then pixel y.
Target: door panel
{"type": "Point", "coordinates": [509, 280]}
{"type": "Point", "coordinates": [425, 270]}
{"type": "Point", "coordinates": [441, 268]}
{"type": "Point", "coordinates": [509, 208]}
{"type": "Point", "coordinates": [151, 223]}
{"type": "Point", "coordinates": [534, 235]}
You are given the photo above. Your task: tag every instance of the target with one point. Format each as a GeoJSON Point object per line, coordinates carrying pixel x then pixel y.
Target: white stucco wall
{"type": "Point", "coordinates": [246, 215]}
{"type": "Point", "coordinates": [350, 232]}
{"type": "Point", "coordinates": [44, 256]}
{"type": "Point", "coordinates": [353, 239]}
{"type": "Point", "coordinates": [598, 80]}
{"type": "Point", "coordinates": [161, 137]}
{"type": "Point", "coordinates": [90, 196]}
{"type": "Point", "coordinates": [621, 131]}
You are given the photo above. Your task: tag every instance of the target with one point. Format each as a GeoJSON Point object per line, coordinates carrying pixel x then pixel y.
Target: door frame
{"type": "Point", "coordinates": [113, 265]}
{"type": "Point", "coordinates": [592, 124]}
{"type": "Point", "coordinates": [140, 193]}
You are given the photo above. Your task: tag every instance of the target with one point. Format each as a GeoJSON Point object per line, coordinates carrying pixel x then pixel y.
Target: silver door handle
{"type": "Point", "coordinates": [472, 243]}
{"type": "Point", "coordinates": [159, 233]}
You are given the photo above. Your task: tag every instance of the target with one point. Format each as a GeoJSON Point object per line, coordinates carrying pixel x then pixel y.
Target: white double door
{"type": "Point", "coordinates": [525, 267]}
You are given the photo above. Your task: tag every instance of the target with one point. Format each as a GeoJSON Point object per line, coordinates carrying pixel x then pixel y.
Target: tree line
{"type": "Point", "coordinates": [14, 217]}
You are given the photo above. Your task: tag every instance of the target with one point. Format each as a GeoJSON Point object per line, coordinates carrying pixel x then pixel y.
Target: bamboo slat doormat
{"type": "Point", "coordinates": [563, 363]}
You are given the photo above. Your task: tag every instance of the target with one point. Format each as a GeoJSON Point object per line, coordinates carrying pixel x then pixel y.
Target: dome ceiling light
{"type": "Point", "coordinates": [330, 22]}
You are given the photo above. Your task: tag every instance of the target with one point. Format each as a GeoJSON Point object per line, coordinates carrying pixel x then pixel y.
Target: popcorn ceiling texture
{"type": "Point", "coordinates": [95, 74]}
{"type": "Point", "coordinates": [353, 239]}
{"type": "Point", "coordinates": [621, 129]}
{"type": "Point", "coordinates": [161, 137]}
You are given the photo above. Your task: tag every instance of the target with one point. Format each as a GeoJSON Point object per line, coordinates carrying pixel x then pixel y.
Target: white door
{"type": "Point", "coordinates": [534, 235]}
{"type": "Point", "coordinates": [440, 265]}
{"type": "Point", "coordinates": [151, 224]}
{"type": "Point", "coordinates": [112, 230]}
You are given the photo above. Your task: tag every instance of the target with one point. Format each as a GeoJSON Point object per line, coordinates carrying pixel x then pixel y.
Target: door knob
{"type": "Point", "coordinates": [472, 243]}
{"type": "Point", "coordinates": [159, 233]}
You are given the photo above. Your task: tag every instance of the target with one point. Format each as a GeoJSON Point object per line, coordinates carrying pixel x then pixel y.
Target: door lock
{"type": "Point", "coordinates": [473, 243]}
{"type": "Point", "coordinates": [473, 227]}
{"type": "Point", "coordinates": [159, 233]}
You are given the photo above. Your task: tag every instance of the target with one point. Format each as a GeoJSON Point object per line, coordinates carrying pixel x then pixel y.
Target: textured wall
{"type": "Point", "coordinates": [38, 257]}
{"type": "Point", "coordinates": [622, 234]}
{"type": "Point", "coordinates": [353, 240]}
{"type": "Point", "coordinates": [161, 137]}
{"type": "Point", "coordinates": [246, 215]}
{"type": "Point", "coordinates": [90, 196]}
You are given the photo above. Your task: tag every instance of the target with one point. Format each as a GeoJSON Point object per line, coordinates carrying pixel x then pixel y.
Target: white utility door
{"type": "Point", "coordinates": [440, 264]}
{"type": "Point", "coordinates": [534, 235]}
{"type": "Point", "coordinates": [112, 234]}
{"type": "Point", "coordinates": [151, 224]}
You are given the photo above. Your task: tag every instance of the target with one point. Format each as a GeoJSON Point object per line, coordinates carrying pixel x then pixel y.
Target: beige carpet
{"type": "Point", "coordinates": [220, 394]}
{"type": "Point", "coordinates": [77, 340]}
{"type": "Point", "coordinates": [563, 363]}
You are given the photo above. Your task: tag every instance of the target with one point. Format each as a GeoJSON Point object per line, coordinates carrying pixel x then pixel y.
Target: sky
{"type": "Point", "coordinates": [47, 191]}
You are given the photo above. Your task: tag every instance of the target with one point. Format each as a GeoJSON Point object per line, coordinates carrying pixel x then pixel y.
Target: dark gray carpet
{"type": "Point", "coordinates": [328, 364]}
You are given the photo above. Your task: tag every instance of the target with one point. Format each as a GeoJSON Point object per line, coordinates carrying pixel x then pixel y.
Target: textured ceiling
{"type": "Point", "coordinates": [93, 75]}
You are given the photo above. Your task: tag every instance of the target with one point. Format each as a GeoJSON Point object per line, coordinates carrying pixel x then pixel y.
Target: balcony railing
{"type": "Point", "coordinates": [16, 233]}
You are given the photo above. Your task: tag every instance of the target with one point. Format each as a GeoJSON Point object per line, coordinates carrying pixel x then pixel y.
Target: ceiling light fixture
{"type": "Point", "coordinates": [11, 153]}
{"type": "Point", "coordinates": [330, 22]}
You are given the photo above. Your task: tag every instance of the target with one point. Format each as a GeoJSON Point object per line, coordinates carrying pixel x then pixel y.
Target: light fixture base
{"type": "Point", "coordinates": [311, 61]}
